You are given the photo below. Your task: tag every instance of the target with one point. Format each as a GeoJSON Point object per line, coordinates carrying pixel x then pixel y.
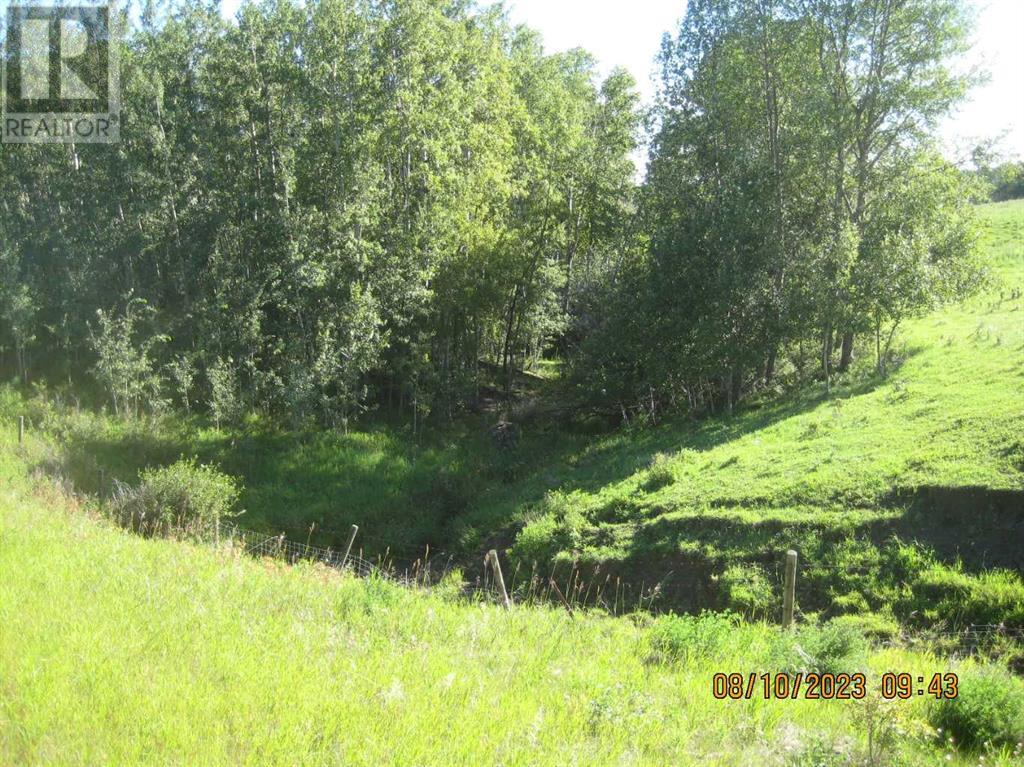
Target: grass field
{"type": "Point", "coordinates": [121, 650]}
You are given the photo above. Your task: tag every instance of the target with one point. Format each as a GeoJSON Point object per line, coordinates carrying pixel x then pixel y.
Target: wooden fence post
{"type": "Point", "coordinates": [492, 557]}
{"type": "Point", "coordinates": [21, 429]}
{"type": "Point", "coordinates": [789, 590]}
{"type": "Point", "coordinates": [348, 547]}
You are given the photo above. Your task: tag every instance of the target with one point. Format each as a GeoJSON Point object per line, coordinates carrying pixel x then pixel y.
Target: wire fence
{"type": "Point", "coordinates": [573, 590]}
{"type": "Point", "coordinates": [421, 572]}
{"type": "Point", "coordinates": [426, 568]}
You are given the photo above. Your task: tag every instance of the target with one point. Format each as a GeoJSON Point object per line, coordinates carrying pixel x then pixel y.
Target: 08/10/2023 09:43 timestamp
{"type": "Point", "coordinates": [812, 686]}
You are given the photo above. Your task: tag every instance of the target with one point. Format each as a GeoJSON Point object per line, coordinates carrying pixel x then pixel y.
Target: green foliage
{"type": "Point", "coordinates": [746, 590]}
{"type": "Point", "coordinates": [947, 593]}
{"type": "Point", "coordinates": [746, 487]}
{"type": "Point", "coordinates": [226, 407]}
{"type": "Point", "coordinates": [689, 638]}
{"type": "Point", "coordinates": [1001, 180]}
{"type": "Point", "coordinates": [988, 710]}
{"type": "Point", "coordinates": [17, 310]}
{"type": "Point", "coordinates": [791, 202]}
{"type": "Point", "coordinates": [125, 366]}
{"type": "Point", "coordinates": [873, 626]}
{"type": "Point", "coordinates": [266, 642]}
{"type": "Point", "coordinates": [833, 648]}
{"type": "Point", "coordinates": [422, 190]}
{"type": "Point", "coordinates": [659, 473]}
{"type": "Point", "coordinates": [554, 528]}
{"type": "Point", "coordinates": [184, 498]}
{"type": "Point", "coordinates": [262, 638]}
{"type": "Point", "coordinates": [182, 372]}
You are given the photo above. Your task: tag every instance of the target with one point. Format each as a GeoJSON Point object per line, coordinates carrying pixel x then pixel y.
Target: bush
{"type": "Point", "coordinates": [557, 526]}
{"type": "Point", "coordinates": [988, 710]}
{"type": "Point", "coordinates": [746, 590]}
{"type": "Point", "coordinates": [684, 637]}
{"type": "Point", "coordinates": [181, 499]}
{"type": "Point", "coordinates": [225, 401]}
{"type": "Point", "coordinates": [835, 648]}
{"type": "Point", "coordinates": [451, 585]}
{"type": "Point", "coordinates": [659, 473]}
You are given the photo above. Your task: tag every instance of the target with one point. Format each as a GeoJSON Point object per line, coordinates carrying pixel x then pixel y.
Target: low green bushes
{"type": "Point", "coordinates": [556, 526]}
{"type": "Point", "coordinates": [988, 712]}
{"type": "Point", "coordinates": [746, 589]}
{"type": "Point", "coordinates": [184, 499]}
{"type": "Point", "coordinates": [659, 473]}
{"type": "Point", "coordinates": [676, 638]}
{"type": "Point", "coordinates": [834, 648]}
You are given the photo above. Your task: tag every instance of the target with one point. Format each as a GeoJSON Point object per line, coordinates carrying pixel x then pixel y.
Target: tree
{"type": "Point", "coordinates": [783, 132]}
{"type": "Point", "coordinates": [17, 312]}
{"type": "Point", "coordinates": [884, 79]}
{"type": "Point", "coordinates": [124, 363]}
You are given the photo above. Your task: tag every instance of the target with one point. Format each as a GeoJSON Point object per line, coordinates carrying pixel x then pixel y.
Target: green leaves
{"type": "Point", "coordinates": [352, 201]}
{"type": "Point", "coordinates": [792, 197]}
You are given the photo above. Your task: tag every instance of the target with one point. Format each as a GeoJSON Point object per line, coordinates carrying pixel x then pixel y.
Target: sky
{"type": "Point", "coordinates": [628, 33]}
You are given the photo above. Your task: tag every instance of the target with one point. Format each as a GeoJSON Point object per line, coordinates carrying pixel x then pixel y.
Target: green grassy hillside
{"type": "Point", "coordinates": [933, 454]}
{"type": "Point", "coordinates": [120, 650]}
{"type": "Point", "coordinates": [900, 495]}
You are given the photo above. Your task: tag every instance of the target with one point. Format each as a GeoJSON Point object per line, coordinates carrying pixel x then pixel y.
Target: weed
{"type": "Point", "coordinates": [674, 638]}
{"type": "Point", "coordinates": [659, 473]}
{"type": "Point", "coordinates": [834, 648]}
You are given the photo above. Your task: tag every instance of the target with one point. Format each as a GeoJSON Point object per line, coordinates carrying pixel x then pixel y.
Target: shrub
{"type": "Point", "coordinates": [184, 498]}
{"type": "Point", "coordinates": [746, 590]}
{"type": "Point", "coordinates": [225, 401]}
{"type": "Point", "coordinates": [684, 637]}
{"type": "Point", "coordinates": [557, 526]}
{"type": "Point", "coordinates": [988, 710]}
{"type": "Point", "coordinates": [659, 473]}
{"type": "Point", "coordinates": [836, 647]}
{"type": "Point", "coordinates": [451, 585]}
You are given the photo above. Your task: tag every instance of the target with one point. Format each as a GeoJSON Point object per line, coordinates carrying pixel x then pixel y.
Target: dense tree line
{"type": "Point", "coordinates": [794, 202]}
{"type": "Point", "coordinates": [317, 207]}
{"type": "Point", "coordinates": [328, 205]}
{"type": "Point", "coordinates": [1004, 181]}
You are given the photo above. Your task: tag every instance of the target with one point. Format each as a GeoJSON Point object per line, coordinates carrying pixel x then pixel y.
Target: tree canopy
{"type": "Point", "coordinates": [323, 206]}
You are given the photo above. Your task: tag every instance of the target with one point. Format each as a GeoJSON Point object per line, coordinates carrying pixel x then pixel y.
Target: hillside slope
{"type": "Point", "coordinates": [120, 650]}
{"type": "Point", "coordinates": [932, 453]}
